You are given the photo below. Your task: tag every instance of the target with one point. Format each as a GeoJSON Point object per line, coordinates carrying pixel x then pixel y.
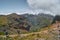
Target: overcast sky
{"type": "Point", "coordinates": [30, 6]}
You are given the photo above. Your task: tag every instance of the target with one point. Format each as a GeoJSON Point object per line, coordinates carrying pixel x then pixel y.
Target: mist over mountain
{"type": "Point", "coordinates": [52, 6]}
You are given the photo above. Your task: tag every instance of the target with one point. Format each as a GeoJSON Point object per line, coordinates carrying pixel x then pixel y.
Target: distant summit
{"type": "Point", "coordinates": [13, 14]}
{"type": "Point", "coordinates": [56, 19]}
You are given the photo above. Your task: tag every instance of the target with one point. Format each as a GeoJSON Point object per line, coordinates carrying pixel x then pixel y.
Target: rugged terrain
{"type": "Point", "coordinates": [14, 23]}
{"type": "Point", "coordinates": [28, 27]}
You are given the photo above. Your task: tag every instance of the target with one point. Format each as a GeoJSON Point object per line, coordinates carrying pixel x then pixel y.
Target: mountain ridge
{"type": "Point", "coordinates": [28, 22]}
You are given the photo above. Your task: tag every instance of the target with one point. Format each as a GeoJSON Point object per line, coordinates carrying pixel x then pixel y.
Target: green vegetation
{"type": "Point", "coordinates": [25, 23]}
{"type": "Point", "coordinates": [26, 27]}
{"type": "Point", "coordinates": [3, 20]}
{"type": "Point", "coordinates": [1, 33]}
{"type": "Point", "coordinates": [34, 36]}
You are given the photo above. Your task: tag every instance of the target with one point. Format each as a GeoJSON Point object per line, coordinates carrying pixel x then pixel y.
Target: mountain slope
{"type": "Point", "coordinates": [14, 23]}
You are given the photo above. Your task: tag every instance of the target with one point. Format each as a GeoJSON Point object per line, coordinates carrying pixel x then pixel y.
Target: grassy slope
{"type": "Point", "coordinates": [43, 34]}
{"type": "Point", "coordinates": [3, 20]}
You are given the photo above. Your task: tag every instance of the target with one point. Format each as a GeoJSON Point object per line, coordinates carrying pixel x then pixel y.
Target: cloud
{"type": "Point", "coordinates": [52, 6]}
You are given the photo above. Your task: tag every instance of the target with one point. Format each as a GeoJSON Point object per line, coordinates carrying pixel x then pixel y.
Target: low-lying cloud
{"type": "Point", "coordinates": [52, 6]}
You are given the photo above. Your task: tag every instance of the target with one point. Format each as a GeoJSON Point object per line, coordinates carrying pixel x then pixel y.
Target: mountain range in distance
{"type": "Point", "coordinates": [13, 22]}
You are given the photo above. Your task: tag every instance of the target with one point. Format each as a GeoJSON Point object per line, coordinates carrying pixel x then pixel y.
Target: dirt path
{"type": "Point", "coordinates": [24, 35]}
{"type": "Point", "coordinates": [21, 35]}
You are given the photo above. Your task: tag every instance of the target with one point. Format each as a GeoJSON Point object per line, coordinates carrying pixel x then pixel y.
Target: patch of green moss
{"type": "Point", "coordinates": [1, 33]}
